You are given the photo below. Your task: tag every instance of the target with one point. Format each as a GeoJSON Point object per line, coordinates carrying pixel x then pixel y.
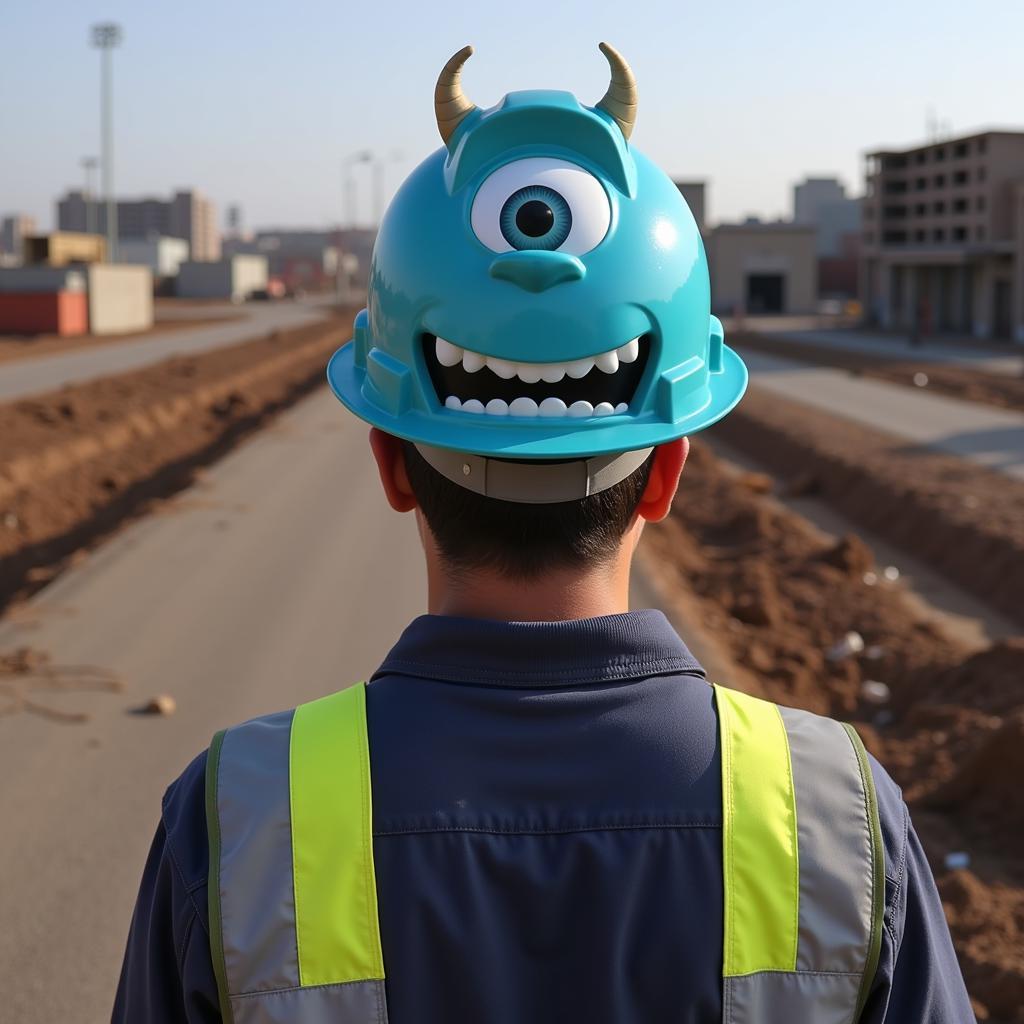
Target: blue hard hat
{"type": "Point", "coordinates": [538, 289]}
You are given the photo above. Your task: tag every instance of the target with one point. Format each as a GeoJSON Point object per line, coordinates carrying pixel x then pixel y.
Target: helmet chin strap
{"type": "Point", "coordinates": [537, 482]}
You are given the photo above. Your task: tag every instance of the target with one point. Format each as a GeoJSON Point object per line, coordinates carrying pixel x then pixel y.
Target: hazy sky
{"type": "Point", "coordinates": [257, 103]}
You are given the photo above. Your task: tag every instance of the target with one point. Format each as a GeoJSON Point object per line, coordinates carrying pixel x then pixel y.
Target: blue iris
{"type": "Point", "coordinates": [535, 217]}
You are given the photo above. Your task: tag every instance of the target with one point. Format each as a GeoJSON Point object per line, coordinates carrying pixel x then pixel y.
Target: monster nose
{"type": "Point", "coordinates": [536, 270]}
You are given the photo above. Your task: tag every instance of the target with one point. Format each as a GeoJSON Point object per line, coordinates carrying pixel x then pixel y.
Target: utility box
{"type": "Point", "coordinates": [234, 278]}
{"type": "Point", "coordinates": [120, 299]}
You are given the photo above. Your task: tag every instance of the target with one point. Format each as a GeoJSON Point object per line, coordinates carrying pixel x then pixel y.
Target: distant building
{"type": "Point", "coordinates": [162, 255]}
{"type": "Point", "coordinates": [694, 193]}
{"type": "Point", "coordinates": [187, 214]}
{"type": "Point", "coordinates": [300, 259]}
{"type": "Point", "coordinates": [234, 278]}
{"type": "Point", "coordinates": [759, 268]}
{"type": "Point", "coordinates": [13, 230]}
{"type": "Point", "coordinates": [824, 203]}
{"type": "Point", "coordinates": [943, 245]}
{"type": "Point", "coordinates": [63, 248]}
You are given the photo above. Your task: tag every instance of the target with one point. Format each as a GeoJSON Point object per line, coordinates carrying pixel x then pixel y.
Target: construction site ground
{"type": "Point", "coordinates": [136, 560]}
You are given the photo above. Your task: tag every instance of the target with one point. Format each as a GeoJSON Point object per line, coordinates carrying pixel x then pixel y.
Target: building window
{"type": "Point", "coordinates": [982, 173]}
{"type": "Point", "coordinates": [960, 178]}
{"type": "Point", "coordinates": [921, 209]}
{"type": "Point", "coordinates": [960, 149]}
{"type": "Point", "coordinates": [982, 145]}
{"type": "Point", "coordinates": [939, 207]}
{"type": "Point", "coordinates": [920, 158]}
{"type": "Point", "coordinates": [921, 184]}
{"type": "Point", "coordinates": [894, 212]}
{"type": "Point", "coordinates": [919, 235]}
{"type": "Point", "coordinates": [940, 154]}
{"type": "Point", "coordinates": [894, 238]}
{"type": "Point", "coordinates": [980, 204]}
{"type": "Point", "coordinates": [960, 206]}
{"type": "Point", "coordinates": [940, 180]}
{"type": "Point", "coordinates": [939, 235]}
{"type": "Point", "coordinates": [979, 233]}
{"type": "Point", "coordinates": [959, 234]}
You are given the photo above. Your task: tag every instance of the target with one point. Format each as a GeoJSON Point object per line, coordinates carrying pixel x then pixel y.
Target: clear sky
{"type": "Point", "coordinates": [257, 103]}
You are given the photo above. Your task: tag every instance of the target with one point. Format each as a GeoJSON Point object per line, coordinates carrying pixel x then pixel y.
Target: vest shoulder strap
{"type": "Point", "coordinates": [803, 866]}
{"type": "Point", "coordinates": [294, 930]}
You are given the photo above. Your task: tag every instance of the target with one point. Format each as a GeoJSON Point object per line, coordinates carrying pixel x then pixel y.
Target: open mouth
{"type": "Point", "coordinates": [598, 385]}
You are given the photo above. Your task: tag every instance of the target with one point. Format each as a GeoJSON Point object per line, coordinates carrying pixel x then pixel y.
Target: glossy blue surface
{"type": "Point", "coordinates": [431, 274]}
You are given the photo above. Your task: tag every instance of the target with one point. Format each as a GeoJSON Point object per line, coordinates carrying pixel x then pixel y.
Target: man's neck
{"type": "Point", "coordinates": [554, 597]}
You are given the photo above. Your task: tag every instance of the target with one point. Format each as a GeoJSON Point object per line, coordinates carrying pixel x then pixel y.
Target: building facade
{"type": "Point", "coordinates": [943, 236]}
{"type": "Point", "coordinates": [13, 230]}
{"type": "Point", "coordinates": [695, 193]}
{"type": "Point", "coordinates": [824, 203]}
{"type": "Point", "coordinates": [187, 214]}
{"type": "Point", "coordinates": [762, 268]}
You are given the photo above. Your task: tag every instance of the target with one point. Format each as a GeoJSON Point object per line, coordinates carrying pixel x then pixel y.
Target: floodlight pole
{"type": "Point", "coordinates": [105, 37]}
{"type": "Point", "coordinates": [90, 163]}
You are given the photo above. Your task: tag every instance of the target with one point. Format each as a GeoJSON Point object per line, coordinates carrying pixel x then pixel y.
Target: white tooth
{"type": "Point", "coordinates": [473, 405]}
{"type": "Point", "coordinates": [552, 373]}
{"type": "Point", "coordinates": [522, 407]}
{"type": "Point", "coordinates": [497, 407]}
{"type": "Point", "coordinates": [579, 368]}
{"type": "Point", "coordinates": [580, 409]}
{"type": "Point", "coordinates": [502, 367]}
{"type": "Point", "coordinates": [604, 409]}
{"type": "Point", "coordinates": [447, 353]}
{"type": "Point", "coordinates": [553, 407]}
{"type": "Point", "coordinates": [452, 402]}
{"type": "Point", "coordinates": [621, 408]}
{"type": "Point", "coordinates": [608, 361]}
{"type": "Point", "coordinates": [472, 361]}
{"type": "Point", "coordinates": [528, 373]}
{"type": "Point", "coordinates": [628, 353]}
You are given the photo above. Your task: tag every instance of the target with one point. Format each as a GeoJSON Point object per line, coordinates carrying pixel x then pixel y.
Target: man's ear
{"type": "Point", "coordinates": [387, 450]}
{"type": "Point", "coordinates": [663, 482]}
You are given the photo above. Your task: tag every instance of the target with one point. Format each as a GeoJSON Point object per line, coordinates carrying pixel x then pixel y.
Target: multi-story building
{"type": "Point", "coordinates": [188, 215]}
{"type": "Point", "coordinates": [695, 193]}
{"type": "Point", "coordinates": [824, 203]}
{"type": "Point", "coordinates": [13, 230]}
{"type": "Point", "coordinates": [943, 241]}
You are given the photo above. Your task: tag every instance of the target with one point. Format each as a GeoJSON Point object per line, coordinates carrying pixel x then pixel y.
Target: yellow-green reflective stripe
{"type": "Point", "coordinates": [336, 926]}
{"type": "Point", "coordinates": [760, 865]}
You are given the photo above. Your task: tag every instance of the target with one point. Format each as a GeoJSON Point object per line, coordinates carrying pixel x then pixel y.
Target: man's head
{"type": "Point", "coordinates": [470, 532]}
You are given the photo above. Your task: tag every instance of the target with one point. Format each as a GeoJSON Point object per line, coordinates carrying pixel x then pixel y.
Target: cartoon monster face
{"type": "Point", "coordinates": [538, 289]}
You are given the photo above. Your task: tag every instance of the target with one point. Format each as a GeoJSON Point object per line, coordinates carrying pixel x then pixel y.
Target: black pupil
{"type": "Point", "coordinates": [535, 218]}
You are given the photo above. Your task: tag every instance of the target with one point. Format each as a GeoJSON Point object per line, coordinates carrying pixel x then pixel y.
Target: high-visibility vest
{"type": "Point", "coordinates": [293, 898]}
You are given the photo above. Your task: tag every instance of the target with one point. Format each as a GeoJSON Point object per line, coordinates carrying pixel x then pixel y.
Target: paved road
{"type": "Point", "coordinates": [31, 376]}
{"type": "Point", "coordinates": [991, 437]}
{"type": "Point", "coordinates": [280, 577]}
{"type": "Point", "coordinates": [1009, 363]}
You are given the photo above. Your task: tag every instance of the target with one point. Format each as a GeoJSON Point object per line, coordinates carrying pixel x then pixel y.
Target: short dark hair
{"type": "Point", "coordinates": [520, 540]}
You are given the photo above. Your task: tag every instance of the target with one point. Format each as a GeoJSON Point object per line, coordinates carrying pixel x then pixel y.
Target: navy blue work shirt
{"type": "Point", "coordinates": [547, 842]}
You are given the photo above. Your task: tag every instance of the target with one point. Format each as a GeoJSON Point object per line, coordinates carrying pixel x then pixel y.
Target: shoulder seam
{"type": "Point", "coordinates": [190, 890]}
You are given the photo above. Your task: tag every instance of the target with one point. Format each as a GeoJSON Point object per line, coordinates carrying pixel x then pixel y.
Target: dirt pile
{"type": "Point", "coordinates": [811, 621]}
{"type": "Point", "coordinates": [966, 521]}
{"type": "Point", "coordinates": [956, 381]}
{"type": "Point", "coordinates": [76, 463]}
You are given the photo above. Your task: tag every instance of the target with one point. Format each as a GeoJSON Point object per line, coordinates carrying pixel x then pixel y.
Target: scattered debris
{"type": "Point", "coordinates": [920, 380]}
{"type": "Point", "coordinates": [870, 579]}
{"type": "Point", "coordinates": [891, 573]}
{"type": "Point", "coordinates": [874, 653]}
{"type": "Point", "coordinates": [11, 520]}
{"type": "Point", "coordinates": [875, 692]}
{"type": "Point", "coordinates": [163, 704]}
{"type": "Point", "coordinates": [852, 643]}
{"type": "Point", "coordinates": [957, 860]}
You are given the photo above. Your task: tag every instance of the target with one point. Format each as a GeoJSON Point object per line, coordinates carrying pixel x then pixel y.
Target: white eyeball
{"type": "Point", "coordinates": [541, 203]}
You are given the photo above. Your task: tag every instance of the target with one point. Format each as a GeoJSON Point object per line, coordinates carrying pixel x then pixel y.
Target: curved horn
{"type": "Point", "coordinates": [621, 98]}
{"type": "Point", "coordinates": [450, 103]}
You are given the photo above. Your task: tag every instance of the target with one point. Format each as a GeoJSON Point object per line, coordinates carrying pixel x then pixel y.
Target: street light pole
{"type": "Point", "coordinates": [364, 156]}
{"type": "Point", "coordinates": [105, 37]}
{"type": "Point", "coordinates": [378, 184]}
{"type": "Point", "coordinates": [90, 163]}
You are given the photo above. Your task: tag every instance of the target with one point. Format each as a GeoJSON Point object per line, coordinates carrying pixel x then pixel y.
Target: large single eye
{"type": "Point", "coordinates": [541, 203]}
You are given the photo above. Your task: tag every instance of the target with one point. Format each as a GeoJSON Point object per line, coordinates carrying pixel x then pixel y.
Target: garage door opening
{"type": "Point", "coordinates": [766, 293]}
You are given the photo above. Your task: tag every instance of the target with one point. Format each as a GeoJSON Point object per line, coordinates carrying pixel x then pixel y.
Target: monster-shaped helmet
{"type": "Point", "coordinates": [538, 291]}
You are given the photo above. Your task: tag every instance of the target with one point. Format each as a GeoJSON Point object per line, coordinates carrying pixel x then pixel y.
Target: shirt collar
{"type": "Point", "coordinates": [630, 645]}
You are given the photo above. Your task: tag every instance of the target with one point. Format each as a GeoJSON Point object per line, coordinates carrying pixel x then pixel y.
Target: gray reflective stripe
{"type": "Point", "coordinates": [257, 902]}
{"type": "Point", "coordinates": [790, 998]}
{"type": "Point", "coordinates": [835, 851]}
{"type": "Point", "coordinates": [356, 1002]}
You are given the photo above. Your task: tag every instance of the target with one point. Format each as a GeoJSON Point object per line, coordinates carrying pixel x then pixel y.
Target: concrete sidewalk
{"type": "Point", "coordinates": [990, 437]}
